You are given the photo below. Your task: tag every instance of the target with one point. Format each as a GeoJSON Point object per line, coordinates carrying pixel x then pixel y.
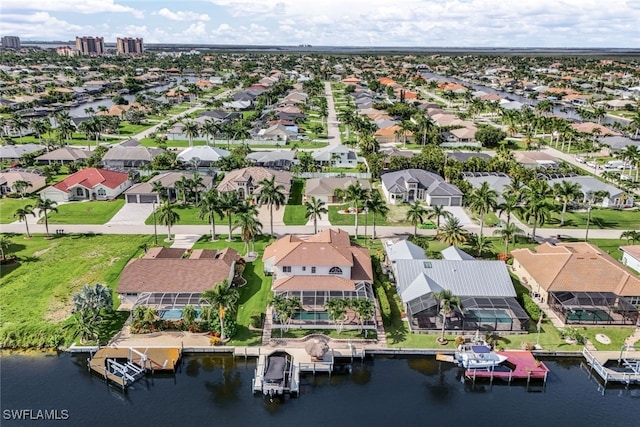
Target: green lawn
{"type": "Point", "coordinates": [253, 296]}
{"type": "Point", "coordinates": [295, 215]}
{"type": "Point", "coordinates": [338, 218]}
{"type": "Point", "coordinates": [181, 143]}
{"type": "Point", "coordinates": [9, 206]}
{"type": "Point", "coordinates": [332, 333]}
{"type": "Point", "coordinates": [617, 336]}
{"type": "Point", "coordinates": [600, 219]}
{"type": "Point", "coordinates": [297, 191]}
{"type": "Point", "coordinates": [126, 128]}
{"type": "Point", "coordinates": [94, 212]}
{"type": "Point", "coordinates": [76, 139]}
{"type": "Point", "coordinates": [180, 108]}
{"type": "Point", "coordinates": [35, 296]}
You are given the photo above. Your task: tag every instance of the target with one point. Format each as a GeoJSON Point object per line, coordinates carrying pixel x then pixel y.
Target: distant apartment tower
{"type": "Point", "coordinates": [93, 46]}
{"type": "Point", "coordinates": [10, 42]}
{"type": "Point", "coordinates": [66, 51]}
{"type": "Point", "coordinates": [129, 46]}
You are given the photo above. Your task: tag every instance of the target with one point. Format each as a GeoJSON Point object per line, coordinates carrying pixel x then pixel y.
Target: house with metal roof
{"type": "Point", "coordinates": [484, 287]}
{"type": "Point", "coordinates": [203, 155]}
{"type": "Point", "coordinates": [274, 159]}
{"type": "Point", "coordinates": [412, 185]}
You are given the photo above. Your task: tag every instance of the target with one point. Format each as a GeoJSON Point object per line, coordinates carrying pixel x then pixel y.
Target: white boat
{"type": "Point", "coordinates": [277, 373]}
{"type": "Point", "coordinates": [477, 356]}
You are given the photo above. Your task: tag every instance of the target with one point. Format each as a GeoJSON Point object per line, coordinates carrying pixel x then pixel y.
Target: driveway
{"type": "Point", "coordinates": [132, 214]}
{"type": "Point", "coordinates": [458, 212]}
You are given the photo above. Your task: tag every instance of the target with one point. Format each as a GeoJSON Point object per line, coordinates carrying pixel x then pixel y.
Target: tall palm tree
{"type": "Point", "coordinates": [196, 183]}
{"type": "Point", "coordinates": [566, 191]}
{"type": "Point", "coordinates": [415, 215]}
{"type": "Point", "coordinates": [168, 216]}
{"type": "Point", "coordinates": [510, 205]}
{"type": "Point", "coordinates": [285, 308]}
{"type": "Point", "coordinates": [20, 187]}
{"type": "Point", "coordinates": [40, 127]}
{"type": "Point", "coordinates": [337, 310]}
{"type": "Point", "coordinates": [22, 214]}
{"type": "Point", "coordinates": [377, 206]}
{"type": "Point", "coordinates": [191, 131]}
{"type": "Point", "coordinates": [447, 303]}
{"type": "Point", "coordinates": [211, 128]}
{"type": "Point", "coordinates": [5, 243]}
{"type": "Point", "coordinates": [452, 232]}
{"type": "Point", "coordinates": [353, 194]}
{"type": "Point", "coordinates": [315, 209]}
{"type": "Point", "coordinates": [229, 203]}
{"type": "Point", "coordinates": [508, 233]}
{"type": "Point", "coordinates": [630, 235]}
{"type": "Point", "coordinates": [210, 207]}
{"type": "Point", "coordinates": [483, 200]}
{"type": "Point", "coordinates": [19, 124]}
{"type": "Point", "coordinates": [224, 298]}
{"type": "Point", "coordinates": [537, 208]}
{"type": "Point", "coordinates": [437, 212]}
{"type": "Point", "coordinates": [250, 226]}
{"type": "Point", "coordinates": [160, 190]}
{"type": "Point", "coordinates": [364, 308]}
{"type": "Point", "coordinates": [46, 206]}
{"type": "Point", "coordinates": [271, 194]}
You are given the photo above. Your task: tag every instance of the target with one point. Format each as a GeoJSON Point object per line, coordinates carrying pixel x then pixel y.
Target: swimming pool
{"type": "Point", "coordinates": [174, 313]}
{"type": "Point", "coordinates": [490, 316]}
{"type": "Point", "coordinates": [589, 315]}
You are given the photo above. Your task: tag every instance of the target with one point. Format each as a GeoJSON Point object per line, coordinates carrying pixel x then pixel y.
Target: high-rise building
{"type": "Point", "coordinates": [129, 46]}
{"type": "Point", "coordinates": [93, 46]}
{"type": "Point", "coordinates": [11, 42]}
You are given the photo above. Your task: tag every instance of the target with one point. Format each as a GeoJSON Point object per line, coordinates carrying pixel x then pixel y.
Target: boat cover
{"type": "Point", "coordinates": [275, 368]}
{"type": "Point", "coordinates": [480, 349]}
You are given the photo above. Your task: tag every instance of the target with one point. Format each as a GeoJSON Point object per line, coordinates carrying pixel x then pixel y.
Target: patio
{"type": "Point", "coordinates": [593, 308]}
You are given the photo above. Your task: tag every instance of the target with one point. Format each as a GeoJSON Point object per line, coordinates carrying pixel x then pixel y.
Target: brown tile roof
{"type": "Point", "coordinates": [254, 174]}
{"type": "Point", "coordinates": [164, 253]}
{"type": "Point", "coordinates": [174, 275]}
{"type": "Point", "coordinates": [577, 267]}
{"type": "Point", "coordinates": [320, 283]}
{"type": "Point", "coordinates": [634, 250]}
{"type": "Point", "coordinates": [327, 186]}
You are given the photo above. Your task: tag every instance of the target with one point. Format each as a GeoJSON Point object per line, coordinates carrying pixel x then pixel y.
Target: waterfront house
{"type": "Point", "coordinates": [15, 152]}
{"type": "Point", "coordinates": [88, 184]}
{"type": "Point", "coordinates": [412, 185]}
{"type": "Point", "coordinates": [580, 282]}
{"type": "Point", "coordinates": [484, 287]}
{"type": "Point", "coordinates": [165, 278]}
{"type": "Point", "coordinates": [124, 156]}
{"type": "Point", "coordinates": [202, 155]}
{"type": "Point", "coordinates": [64, 155]}
{"type": "Point", "coordinates": [274, 159]}
{"type": "Point", "coordinates": [318, 268]}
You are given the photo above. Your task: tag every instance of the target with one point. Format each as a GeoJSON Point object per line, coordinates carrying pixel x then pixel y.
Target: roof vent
{"type": "Point", "coordinates": [427, 264]}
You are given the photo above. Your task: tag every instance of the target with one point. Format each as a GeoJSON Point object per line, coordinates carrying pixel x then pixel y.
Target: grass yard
{"type": "Point", "coordinates": [397, 216]}
{"type": "Point", "coordinates": [180, 108]}
{"type": "Point", "coordinates": [617, 336]}
{"type": "Point", "coordinates": [35, 296]}
{"type": "Point", "coordinates": [254, 296]}
{"type": "Point", "coordinates": [332, 333]}
{"type": "Point", "coordinates": [295, 215]}
{"type": "Point", "coordinates": [600, 219]}
{"type": "Point", "coordinates": [93, 212]}
{"type": "Point", "coordinates": [126, 128]}
{"type": "Point", "coordinates": [9, 206]}
{"type": "Point", "coordinates": [76, 139]}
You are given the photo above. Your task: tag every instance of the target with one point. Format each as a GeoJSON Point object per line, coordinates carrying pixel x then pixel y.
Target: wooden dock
{"type": "Point", "coordinates": [520, 365]}
{"type": "Point", "coordinates": [628, 361]}
{"type": "Point", "coordinates": [125, 365]}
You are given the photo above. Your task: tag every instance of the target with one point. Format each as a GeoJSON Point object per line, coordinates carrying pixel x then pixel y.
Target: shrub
{"type": "Point", "coordinates": [459, 340]}
{"type": "Point", "coordinates": [230, 326]}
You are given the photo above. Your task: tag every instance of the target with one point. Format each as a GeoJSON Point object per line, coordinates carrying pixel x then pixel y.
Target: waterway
{"type": "Point", "coordinates": [216, 390]}
{"type": "Point", "coordinates": [568, 112]}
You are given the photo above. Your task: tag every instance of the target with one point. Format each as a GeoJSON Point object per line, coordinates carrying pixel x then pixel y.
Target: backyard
{"type": "Point", "coordinates": [9, 206]}
{"type": "Point", "coordinates": [295, 211]}
{"type": "Point", "coordinates": [600, 219]}
{"type": "Point", "coordinates": [397, 216]}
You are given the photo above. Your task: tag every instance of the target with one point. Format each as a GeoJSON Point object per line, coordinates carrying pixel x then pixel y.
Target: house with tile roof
{"type": "Point", "coordinates": [63, 155]}
{"type": "Point", "coordinates": [631, 258]}
{"type": "Point", "coordinates": [88, 184]}
{"type": "Point", "coordinates": [324, 188]}
{"type": "Point", "coordinates": [142, 192]}
{"type": "Point", "coordinates": [246, 181]}
{"type": "Point", "coordinates": [164, 277]}
{"type": "Point", "coordinates": [318, 268]}
{"type": "Point", "coordinates": [410, 185]}
{"type": "Point", "coordinates": [580, 282]}
{"type": "Point", "coordinates": [9, 177]}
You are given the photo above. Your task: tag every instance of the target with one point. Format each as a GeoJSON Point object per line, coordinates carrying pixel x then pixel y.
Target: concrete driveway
{"type": "Point", "coordinates": [132, 214]}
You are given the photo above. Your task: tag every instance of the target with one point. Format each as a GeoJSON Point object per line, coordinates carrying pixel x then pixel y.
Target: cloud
{"type": "Point", "coordinates": [182, 15]}
{"type": "Point", "coordinates": [77, 6]}
{"type": "Point", "coordinates": [39, 25]}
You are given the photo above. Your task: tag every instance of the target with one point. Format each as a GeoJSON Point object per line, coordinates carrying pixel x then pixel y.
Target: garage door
{"type": "Point", "coordinates": [132, 198]}
{"type": "Point", "coordinates": [148, 198]}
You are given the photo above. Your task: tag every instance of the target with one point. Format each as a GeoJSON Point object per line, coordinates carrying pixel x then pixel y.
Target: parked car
{"type": "Point", "coordinates": [427, 225]}
{"type": "Point", "coordinates": [579, 159]}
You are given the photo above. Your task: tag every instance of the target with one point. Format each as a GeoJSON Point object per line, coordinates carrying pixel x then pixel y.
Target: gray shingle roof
{"type": "Point", "coordinates": [433, 184]}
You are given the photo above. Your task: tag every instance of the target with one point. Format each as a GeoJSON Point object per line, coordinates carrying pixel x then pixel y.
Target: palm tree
{"type": "Point", "coordinates": [353, 194]}
{"type": "Point", "coordinates": [250, 226]}
{"type": "Point", "coordinates": [271, 194]}
{"type": "Point", "coordinates": [285, 308]}
{"type": "Point", "coordinates": [336, 309]}
{"type": "Point", "coordinates": [209, 208]}
{"type": "Point", "coordinates": [20, 187]}
{"type": "Point", "coordinates": [90, 300]}
{"type": "Point", "coordinates": [224, 298]}
{"type": "Point", "coordinates": [452, 232]}
{"type": "Point", "coordinates": [415, 215]}
{"type": "Point", "coordinates": [196, 183]}
{"type": "Point", "coordinates": [210, 128]}
{"type": "Point", "coordinates": [191, 130]}
{"type": "Point", "coordinates": [229, 203]}
{"type": "Point", "coordinates": [5, 243]}
{"type": "Point", "coordinates": [189, 314]}
{"type": "Point", "coordinates": [437, 212]}
{"type": "Point", "coordinates": [377, 206]}
{"type": "Point", "coordinates": [537, 208]}
{"type": "Point", "coordinates": [168, 216]}
{"type": "Point", "coordinates": [510, 205]}
{"type": "Point", "coordinates": [630, 235]}
{"type": "Point", "coordinates": [364, 308]}
{"type": "Point", "coordinates": [566, 191]}
{"type": "Point", "coordinates": [18, 124]}
{"type": "Point", "coordinates": [160, 190]}
{"type": "Point", "coordinates": [447, 302]}
{"type": "Point", "coordinates": [483, 200]}
{"type": "Point", "coordinates": [479, 243]}
{"type": "Point", "coordinates": [315, 209]}
{"type": "Point", "coordinates": [508, 233]}
{"type": "Point", "coordinates": [46, 206]}
{"type": "Point", "coordinates": [40, 127]}
{"type": "Point", "coordinates": [22, 214]}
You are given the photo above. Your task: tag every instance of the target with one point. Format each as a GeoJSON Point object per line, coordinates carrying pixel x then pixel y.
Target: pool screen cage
{"type": "Point", "coordinates": [478, 313]}
{"type": "Point", "coordinates": [169, 299]}
{"type": "Point", "coordinates": [593, 308]}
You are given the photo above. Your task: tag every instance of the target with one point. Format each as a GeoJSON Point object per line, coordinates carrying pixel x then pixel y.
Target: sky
{"type": "Point", "coordinates": [418, 23]}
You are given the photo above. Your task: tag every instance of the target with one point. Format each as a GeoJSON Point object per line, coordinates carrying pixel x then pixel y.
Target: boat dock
{"type": "Point", "coordinates": [125, 365]}
{"type": "Point", "coordinates": [520, 365]}
{"type": "Point", "coordinates": [615, 366]}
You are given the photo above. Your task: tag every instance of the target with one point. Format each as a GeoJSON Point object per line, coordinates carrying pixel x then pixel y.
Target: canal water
{"type": "Point", "coordinates": [215, 390]}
